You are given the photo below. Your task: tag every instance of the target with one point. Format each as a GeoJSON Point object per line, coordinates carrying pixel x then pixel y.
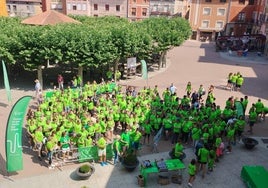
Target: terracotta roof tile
{"type": "Point", "coordinates": [49, 17]}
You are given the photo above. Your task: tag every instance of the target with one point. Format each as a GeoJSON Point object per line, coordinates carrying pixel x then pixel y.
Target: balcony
{"type": "Point", "coordinates": [160, 13]}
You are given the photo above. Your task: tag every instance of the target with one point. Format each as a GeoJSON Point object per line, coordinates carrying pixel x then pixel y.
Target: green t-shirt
{"type": "Point", "coordinates": [196, 133]}
{"type": "Point", "coordinates": [65, 141]}
{"type": "Point", "coordinates": [125, 139]}
{"type": "Point", "coordinates": [101, 143]}
{"type": "Point", "coordinates": [203, 154]}
{"type": "Point", "coordinates": [178, 150]}
{"type": "Point", "coordinates": [38, 135]}
{"type": "Point", "coordinates": [137, 136]}
{"type": "Point", "coordinates": [116, 146]}
{"type": "Point", "coordinates": [191, 169]}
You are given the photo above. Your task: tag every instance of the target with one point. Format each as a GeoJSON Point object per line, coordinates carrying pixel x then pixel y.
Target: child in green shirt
{"type": "Point", "coordinates": [192, 172]}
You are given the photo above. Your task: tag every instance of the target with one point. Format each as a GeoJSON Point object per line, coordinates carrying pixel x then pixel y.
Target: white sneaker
{"type": "Point", "coordinates": [190, 185]}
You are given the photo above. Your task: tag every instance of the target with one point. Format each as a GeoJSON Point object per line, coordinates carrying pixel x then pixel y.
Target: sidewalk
{"type": "Point", "coordinates": [252, 57]}
{"type": "Point", "coordinates": [227, 171]}
{"type": "Point", "coordinates": [225, 175]}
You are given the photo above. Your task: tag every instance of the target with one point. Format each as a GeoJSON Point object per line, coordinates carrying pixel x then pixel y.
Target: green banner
{"type": "Point", "coordinates": [144, 70]}
{"type": "Point", "coordinates": [89, 153]}
{"type": "Point", "coordinates": [14, 161]}
{"type": "Point", "coordinates": [6, 82]}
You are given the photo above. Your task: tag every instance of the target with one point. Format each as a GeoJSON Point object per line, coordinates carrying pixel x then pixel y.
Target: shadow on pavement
{"type": "Point", "coordinates": [249, 87]}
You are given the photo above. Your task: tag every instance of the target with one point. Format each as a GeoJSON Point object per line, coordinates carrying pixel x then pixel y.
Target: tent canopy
{"type": "Point", "coordinates": [49, 17]}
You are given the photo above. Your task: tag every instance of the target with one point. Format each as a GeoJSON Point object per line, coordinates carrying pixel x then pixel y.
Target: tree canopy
{"type": "Point", "coordinates": [94, 43]}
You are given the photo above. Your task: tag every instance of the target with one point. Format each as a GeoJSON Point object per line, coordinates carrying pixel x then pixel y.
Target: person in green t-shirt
{"type": "Point", "coordinates": [239, 82]}
{"type": "Point", "coordinates": [259, 108]}
{"type": "Point", "coordinates": [253, 116]}
{"type": "Point", "coordinates": [101, 144]}
{"type": "Point", "coordinates": [178, 152]}
{"type": "Point", "coordinates": [65, 145]}
{"type": "Point", "coordinates": [125, 141]}
{"type": "Point", "coordinates": [203, 154]}
{"type": "Point", "coordinates": [211, 159]}
{"type": "Point", "coordinates": [136, 140]}
{"type": "Point", "coordinates": [117, 149]}
{"type": "Point", "coordinates": [147, 132]}
{"type": "Point", "coordinates": [38, 141]}
{"type": "Point", "coordinates": [191, 172]}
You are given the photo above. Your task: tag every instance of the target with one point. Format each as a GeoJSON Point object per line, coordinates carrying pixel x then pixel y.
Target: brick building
{"type": "Point", "coordinates": [138, 9]}
{"type": "Point", "coordinates": [208, 17]}
{"type": "Point", "coordinates": [23, 8]}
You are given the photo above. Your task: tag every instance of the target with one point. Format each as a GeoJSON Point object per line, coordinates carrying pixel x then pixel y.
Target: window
{"type": "Point", "coordinates": [14, 8]}
{"type": "Point", "coordinates": [251, 2]}
{"type": "Point", "coordinates": [133, 11]}
{"type": "Point", "coordinates": [107, 7]}
{"type": "Point", "coordinates": [145, 1]}
{"type": "Point", "coordinates": [117, 7]}
{"type": "Point", "coordinates": [95, 6]}
{"type": "Point", "coordinates": [134, 1]}
{"type": "Point", "coordinates": [222, 1]}
{"type": "Point", "coordinates": [84, 7]}
{"type": "Point", "coordinates": [205, 24]}
{"type": "Point", "coordinates": [208, 1]}
{"type": "Point", "coordinates": [8, 8]}
{"type": "Point", "coordinates": [221, 12]}
{"type": "Point", "coordinates": [95, 15]}
{"type": "Point", "coordinates": [241, 16]}
{"type": "Point", "coordinates": [166, 8]}
{"type": "Point", "coordinates": [241, 1]}
{"type": "Point", "coordinates": [155, 7]}
{"type": "Point", "coordinates": [219, 24]}
{"type": "Point", "coordinates": [74, 7]}
{"type": "Point", "coordinates": [206, 11]}
{"type": "Point", "coordinates": [79, 7]}
{"type": "Point", "coordinates": [144, 12]}
{"type": "Point", "coordinates": [68, 6]}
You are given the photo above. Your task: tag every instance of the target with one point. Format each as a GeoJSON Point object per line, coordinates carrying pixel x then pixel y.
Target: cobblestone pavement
{"type": "Point", "coordinates": [193, 61]}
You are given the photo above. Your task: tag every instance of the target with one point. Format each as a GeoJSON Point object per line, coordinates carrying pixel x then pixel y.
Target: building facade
{"type": "Point", "coordinates": [109, 8]}
{"type": "Point", "coordinates": [208, 17]}
{"type": "Point", "coordinates": [23, 8]}
{"type": "Point", "coordinates": [240, 17]}
{"type": "Point", "coordinates": [169, 8]}
{"type": "Point", "coordinates": [138, 9]}
{"type": "Point", "coordinates": [3, 8]}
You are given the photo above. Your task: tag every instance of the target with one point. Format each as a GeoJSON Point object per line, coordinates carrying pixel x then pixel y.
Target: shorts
{"type": "Point", "coordinates": [136, 145]}
{"type": "Point", "coordinates": [101, 152]}
{"type": "Point", "coordinates": [168, 129]}
{"type": "Point", "coordinates": [229, 81]}
{"type": "Point", "coordinates": [251, 123]}
{"type": "Point", "coordinates": [202, 162]}
{"type": "Point", "coordinates": [38, 145]}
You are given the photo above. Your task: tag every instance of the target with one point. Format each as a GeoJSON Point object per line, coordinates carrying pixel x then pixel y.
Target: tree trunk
{"type": "Point", "coordinates": [164, 59]}
{"type": "Point", "coordinates": [80, 74]}
{"type": "Point", "coordinates": [40, 76]}
{"type": "Point", "coordinates": [160, 62]}
{"type": "Point", "coordinates": [115, 69]}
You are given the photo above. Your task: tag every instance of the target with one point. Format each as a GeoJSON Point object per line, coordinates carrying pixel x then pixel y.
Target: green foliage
{"type": "Point", "coordinates": [85, 169]}
{"type": "Point", "coordinates": [97, 42]}
{"type": "Point", "coordinates": [130, 158]}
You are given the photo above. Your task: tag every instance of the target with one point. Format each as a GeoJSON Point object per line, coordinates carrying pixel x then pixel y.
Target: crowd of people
{"type": "Point", "coordinates": [91, 115]}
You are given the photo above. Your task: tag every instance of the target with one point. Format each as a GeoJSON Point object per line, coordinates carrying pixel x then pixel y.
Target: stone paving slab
{"type": "Point", "coordinates": [194, 61]}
